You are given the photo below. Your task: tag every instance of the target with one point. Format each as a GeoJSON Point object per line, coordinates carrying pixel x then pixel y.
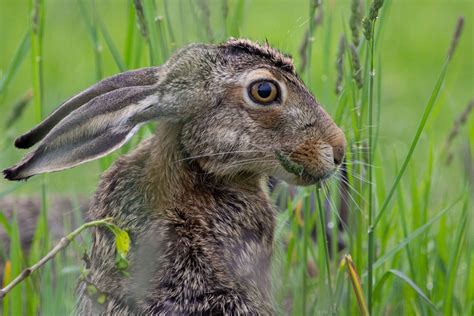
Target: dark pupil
{"type": "Point", "coordinates": [264, 90]}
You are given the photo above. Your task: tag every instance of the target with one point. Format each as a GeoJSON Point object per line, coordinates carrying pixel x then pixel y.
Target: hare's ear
{"type": "Point", "coordinates": [91, 124]}
{"type": "Point", "coordinates": [140, 77]}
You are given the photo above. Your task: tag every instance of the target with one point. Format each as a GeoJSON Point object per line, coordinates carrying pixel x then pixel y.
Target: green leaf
{"type": "Point", "coordinates": [121, 262]}
{"type": "Point", "coordinates": [122, 242]}
{"type": "Point", "coordinates": [91, 290]}
{"type": "Point", "coordinates": [122, 245]}
{"type": "Point", "coordinates": [101, 299]}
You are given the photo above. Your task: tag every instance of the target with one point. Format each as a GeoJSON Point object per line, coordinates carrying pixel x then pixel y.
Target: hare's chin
{"type": "Point", "coordinates": [303, 179]}
{"type": "Point", "coordinates": [308, 179]}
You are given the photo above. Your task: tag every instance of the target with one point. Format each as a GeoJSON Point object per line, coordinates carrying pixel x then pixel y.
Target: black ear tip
{"type": "Point", "coordinates": [12, 174]}
{"type": "Point", "coordinates": [22, 142]}
{"type": "Point", "coordinates": [9, 174]}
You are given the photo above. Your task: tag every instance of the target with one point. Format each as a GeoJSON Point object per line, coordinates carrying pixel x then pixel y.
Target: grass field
{"type": "Point", "coordinates": [409, 229]}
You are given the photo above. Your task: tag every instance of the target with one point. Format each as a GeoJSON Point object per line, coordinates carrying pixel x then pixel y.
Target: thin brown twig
{"type": "Point", "coordinates": [63, 243]}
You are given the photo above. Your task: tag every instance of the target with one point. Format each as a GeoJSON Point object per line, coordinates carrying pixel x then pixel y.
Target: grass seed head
{"type": "Point", "coordinates": [374, 9]}
{"type": "Point", "coordinates": [356, 67]}
{"type": "Point", "coordinates": [141, 18]}
{"type": "Point", "coordinates": [456, 36]}
{"type": "Point", "coordinates": [355, 21]}
{"type": "Point", "coordinates": [340, 64]}
{"type": "Point", "coordinates": [369, 20]}
{"type": "Point", "coordinates": [367, 25]}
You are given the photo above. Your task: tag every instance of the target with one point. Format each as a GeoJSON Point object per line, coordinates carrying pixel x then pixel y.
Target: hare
{"type": "Point", "coordinates": [194, 196]}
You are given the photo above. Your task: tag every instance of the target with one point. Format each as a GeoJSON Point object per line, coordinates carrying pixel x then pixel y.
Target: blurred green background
{"type": "Point", "coordinates": [414, 42]}
{"type": "Point", "coordinates": [413, 38]}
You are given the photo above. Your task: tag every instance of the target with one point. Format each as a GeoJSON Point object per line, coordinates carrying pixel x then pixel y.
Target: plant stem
{"type": "Point", "coordinates": [371, 245]}
{"type": "Point", "coordinates": [63, 243]}
{"type": "Point", "coordinates": [322, 227]}
{"type": "Point", "coordinates": [306, 233]}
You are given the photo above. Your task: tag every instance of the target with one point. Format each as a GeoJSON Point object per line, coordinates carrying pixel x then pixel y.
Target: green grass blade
{"type": "Point", "coordinates": [130, 37]}
{"type": "Point", "coordinates": [16, 259]}
{"type": "Point", "coordinates": [110, 44]}
{"type": "Point", "coordinates": [454, 260]}
{"type": "Point", "coordinates": [92, 28]}
{"type": "Point", "coordinates": [18, 59]}
{"type": "Point", "coordinates": [412, 284]}
{"type": "Point", "coordinates": [6, 225]}
{"type": "Point", "coordinates": [237, 18]}
{"type": "Point", "coordinates": [379, 286]}
{"type": "Point", "coordinates": [322, 240]}
{"type": "Point", "coordinates": [169, 26]}
{"type": "Point", "coordinates": [412, 236]}
{"type": "Point", "coordinates": [421, 126]}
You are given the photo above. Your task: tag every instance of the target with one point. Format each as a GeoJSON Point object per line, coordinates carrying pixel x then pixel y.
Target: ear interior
{"type": "Point", "coordinates": [95, 129]}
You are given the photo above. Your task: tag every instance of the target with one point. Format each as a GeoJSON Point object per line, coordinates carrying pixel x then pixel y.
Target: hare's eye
{"type": "Point", "coordinates": [264, 92]}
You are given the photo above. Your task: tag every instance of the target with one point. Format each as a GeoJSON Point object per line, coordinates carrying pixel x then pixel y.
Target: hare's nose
{"type": "Point", "coordinates": [338, 144]}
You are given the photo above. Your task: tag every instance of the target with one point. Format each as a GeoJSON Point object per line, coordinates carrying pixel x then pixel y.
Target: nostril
{"type": "Point", "coordinates": [338, 154]}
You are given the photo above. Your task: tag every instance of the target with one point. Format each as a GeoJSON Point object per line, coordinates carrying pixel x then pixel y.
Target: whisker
{"type": "Point", "coordinates": [334, 209]}
{"type": "Point", "coordinates": [222, 153]}
{"type": "Point", "coordinates": [351, 188]}
{"type": "Point", "coordinates": [245, 162]}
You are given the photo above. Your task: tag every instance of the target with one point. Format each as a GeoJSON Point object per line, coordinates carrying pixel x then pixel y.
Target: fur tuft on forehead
{"type": "Point", "coordinates": [279, 59]}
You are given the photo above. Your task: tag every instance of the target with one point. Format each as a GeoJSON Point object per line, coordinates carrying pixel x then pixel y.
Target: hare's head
{"type": "Point", "coordinates": [240, 108]}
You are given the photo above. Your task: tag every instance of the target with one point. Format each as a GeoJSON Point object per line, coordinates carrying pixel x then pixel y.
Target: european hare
{"type": "Point", "coordinates": [192, 197]}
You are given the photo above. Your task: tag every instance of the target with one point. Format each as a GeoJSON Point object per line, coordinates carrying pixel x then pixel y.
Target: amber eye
{"type": "Point", "coordinates": [264, 92]}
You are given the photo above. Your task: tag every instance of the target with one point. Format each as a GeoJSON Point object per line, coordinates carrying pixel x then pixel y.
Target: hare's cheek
{"type": "Point", "coordinates": [267, 118]}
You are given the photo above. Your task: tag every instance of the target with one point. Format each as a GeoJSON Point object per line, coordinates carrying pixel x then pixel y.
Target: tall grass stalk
{"type": "Point", "coordinates": [323, 246]}
{"type": "Point", "coordinates": [455, 255]}
{"type": "Point", "coordinates": [371, 239]}
{"type": "Point", "coordinates": [306, 245]}
{"type": "Point", "coordinates": [91, 24]}
{"type": "Point", "coordinates": [40, 240]}
{"type": "Point", "coordinates": [427, 111]}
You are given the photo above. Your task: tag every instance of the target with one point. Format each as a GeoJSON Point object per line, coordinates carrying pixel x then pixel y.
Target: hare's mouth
{"type": "Point", "coordinates": [298, 169]}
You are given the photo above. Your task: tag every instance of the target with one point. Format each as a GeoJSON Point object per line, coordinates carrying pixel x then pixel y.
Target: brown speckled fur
{"type": "Point", "coordinates": [204, 246]}
{"type": "Point", "coordinates": [193, 197]}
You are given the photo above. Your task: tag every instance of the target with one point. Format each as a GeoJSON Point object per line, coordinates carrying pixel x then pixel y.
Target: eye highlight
{"type": "Point", "coordinates": [264, 92]}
